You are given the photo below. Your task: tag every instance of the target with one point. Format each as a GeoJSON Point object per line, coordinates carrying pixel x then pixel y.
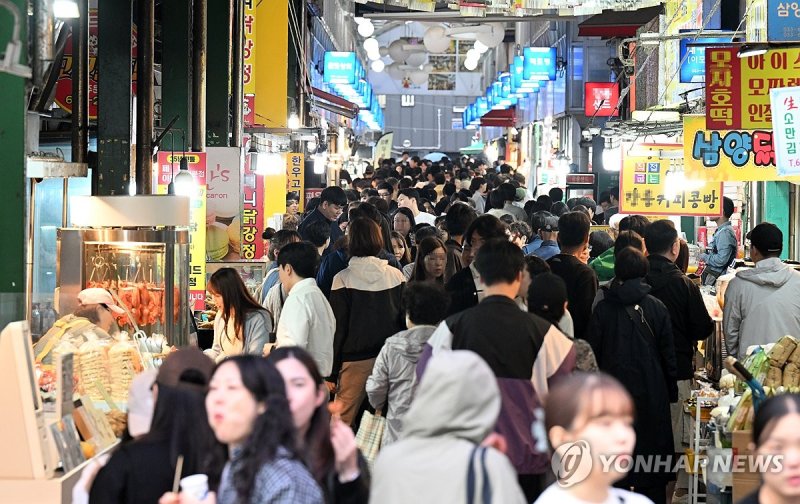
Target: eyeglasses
{"type": "Point", "coordinates": [384, 194]}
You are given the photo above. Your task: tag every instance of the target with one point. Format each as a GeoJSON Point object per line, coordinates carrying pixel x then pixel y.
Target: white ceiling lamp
{"type": "Point", "coordinates": [397, 50]}
{"type": "Point", "coordinates": [372, 45]}
{"type": "Point", "coordinates": [481, 47]}
{"type": "Point", "coordinates": [492, 37]}
{"type": "Point", "coordinates": [366, 29]}
{"type": "Point", "coordinates": [66, 9]}
{"type": "Point", "coordinates": [471, 64]}
{"type": "Point", "coordinates": [436, 40]}
{"type": "Point", "coordinates": [473, 54]}
{"type": "Point", "coordinates": [374, 55]}
{"type": "Point", "coordinates": [378, 66]}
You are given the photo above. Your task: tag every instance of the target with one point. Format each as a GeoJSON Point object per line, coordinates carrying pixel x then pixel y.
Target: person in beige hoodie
{"type": "Point", "coordinates": [440, 452]}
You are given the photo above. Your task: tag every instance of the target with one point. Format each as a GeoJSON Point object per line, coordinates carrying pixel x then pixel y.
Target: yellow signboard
{"type": "Point", "coordinates": [296, 176]}
{"type": "Point", "coordinates": [721, 156]}
{"type": "Point", "coordinates": [653, 186]}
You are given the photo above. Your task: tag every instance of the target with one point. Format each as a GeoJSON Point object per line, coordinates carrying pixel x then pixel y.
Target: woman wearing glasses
{"type": "Point", "coordinates": [431, 261]}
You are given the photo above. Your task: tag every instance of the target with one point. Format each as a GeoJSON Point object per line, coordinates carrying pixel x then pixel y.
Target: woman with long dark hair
{"type": "Point", "coordinates": [327, 446]}
{"type": "Point", "coordinates": [143, 469]}
{"type": "Point", "coordinates": [248, 411]}
{"type": "Point", "coordinates": [242, 325]}
{"type": "Point", "coordinates": [401, 249]}
{"type": "Point", "coordinates": [431, 261]}
{"type": "Point", "coordinates": [403, 222]}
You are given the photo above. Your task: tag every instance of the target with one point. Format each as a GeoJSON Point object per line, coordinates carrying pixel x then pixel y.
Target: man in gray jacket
{"type": "Point", "coordinates": [762, 304]}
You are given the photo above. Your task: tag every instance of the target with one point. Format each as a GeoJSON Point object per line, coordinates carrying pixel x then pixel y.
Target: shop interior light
{"type": "Point", "coordinates": [319, 164]}
{"type": "Point", "coordinates": [294, 121]}
{"type": "Point", "coordinates": [66, 9]}
{"type": "Point", "coordinates": [378, 66]}
{"type": "Point", "coordinates": [366, 28]}
{"type": "Point", "coordinates": [471, 64]}
{"type": "Point", "coordinates": [612, 156]}
{"type": "Point", "coordinates": [372, 45]}
{"type": "Point", "coordinates": [270, 163]}
{"type": "Point", "coordinates": [748, 50]}
{"type": "Point", "coordinates": [184, 181]}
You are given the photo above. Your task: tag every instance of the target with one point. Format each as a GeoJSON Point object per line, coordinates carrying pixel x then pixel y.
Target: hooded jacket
{"type": "Point", "coordinates": [644, 362]}
{"type": "Point", "coordinates": [456, 407]}
{"type": "Point", "coordinates": [762, 304]}
{"type": "Point", "coordinates": [394, 377]}
{"type": "Point", "coordinates": [687, 311]}
{"type": "Point", "coordinates": [366, 302]}
{"type": "Point", "coordinates": [603, 265]}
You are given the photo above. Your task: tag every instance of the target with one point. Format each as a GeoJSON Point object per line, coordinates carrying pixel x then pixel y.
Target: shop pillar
{"type": "Point", "coordinates": [776, 210]}
{"type": "Point", "coordinates": [12, 190]}
{"type": "Point", "coordinates": [218, 85]}
{"type": "Point", "coordinates": [114, 62]}
{"type": "Point", "coordinates": [176, 74]}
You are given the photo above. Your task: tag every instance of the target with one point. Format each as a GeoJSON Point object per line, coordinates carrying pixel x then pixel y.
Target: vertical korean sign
{"type": "Point", "coordinates": [249, 55]}
{"type": "Point", "coordinates": [653, 186]}
{"type": "Point", "coordinates": [252, 212]}
{"type": "Point", "coordinates": [296, 176]}
{"type": "Point", "coordinates": [168, 162]}
{"type": "Point", "coordinates": [786, 126]}
{"type": "Point", "coordinates": [737, 90]}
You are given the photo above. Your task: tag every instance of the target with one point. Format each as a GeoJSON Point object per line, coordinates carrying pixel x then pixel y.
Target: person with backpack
{"type": "Point", "coordinates": [631, 335]}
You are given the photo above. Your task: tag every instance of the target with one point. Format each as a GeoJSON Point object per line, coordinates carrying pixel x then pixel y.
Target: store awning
{"type": "Point", "coordinates": [500, 118]}
{"type": "Point", "coordinates": [475, 148]}
{"type": "Point", "coordinates": [610, 23]}
{"type": "Point", "coordinates": [333, 103]}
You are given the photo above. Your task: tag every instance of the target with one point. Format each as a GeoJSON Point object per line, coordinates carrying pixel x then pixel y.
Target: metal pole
{"type": "Point", "coordinates": [237, 89]}
{"type": "Point", "coordinates": [145, 19]}
{"type": "Point", "coordinates": [199, 53]}
{"type": "Point", "coordinates": [30, 221]}
{"type": "Point", "coordinates": [80, 97]}
{"type": "Point", "coordinates": [301, 66]}
{"type": "Point", "coordinates": [42, 41]}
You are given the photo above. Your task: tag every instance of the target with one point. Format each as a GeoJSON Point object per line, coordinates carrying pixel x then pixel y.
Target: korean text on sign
{"type": "Point", "coordinates": [786, 121]}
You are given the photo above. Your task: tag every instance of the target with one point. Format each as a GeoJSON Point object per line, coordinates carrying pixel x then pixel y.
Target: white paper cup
{"type": "Point", "coordinates": [195, 485]}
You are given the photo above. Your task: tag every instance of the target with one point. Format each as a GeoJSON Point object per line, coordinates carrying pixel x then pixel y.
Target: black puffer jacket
{"type": "Point", "coordinates": [687, 312]}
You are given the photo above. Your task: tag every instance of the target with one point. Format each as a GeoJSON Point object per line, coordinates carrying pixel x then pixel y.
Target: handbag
{"type": "Point", "coordinates": [370, 435]}
{"type": "Point", "coordinates": [486, 489]}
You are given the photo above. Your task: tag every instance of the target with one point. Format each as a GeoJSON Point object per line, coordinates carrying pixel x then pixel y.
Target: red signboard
{"type": "Point", "coordinates": [600, 99]}
{"type": "Point", "coordinates": [580, 178]}
{"type": "Point", "coordinates": [253, 218]}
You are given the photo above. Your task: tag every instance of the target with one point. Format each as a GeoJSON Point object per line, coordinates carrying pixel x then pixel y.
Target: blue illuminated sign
{"type": "Point", "coordinates": [783, 21]}
{"type": "Point", "coordinates": [693, 68]}
{"type": "Point", "coordinates": [539, 63]}
{"type": "Point", "coordinates": [340, 68]}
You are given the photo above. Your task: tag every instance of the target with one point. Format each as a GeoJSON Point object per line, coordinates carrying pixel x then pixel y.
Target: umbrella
{"type": "Point", "coordinates": [435, 156]}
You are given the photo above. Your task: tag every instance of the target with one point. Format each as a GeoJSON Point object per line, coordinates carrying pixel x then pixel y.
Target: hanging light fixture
{"type": "Point", "coordinates": [294, 121]}
{"type": "Point", "coordinates": [66, 9]}
{"type": "Point", "coordinates": [366, 28]}
{"type": "Point", "coordinates": [378, 66]}
{"type": "Point", "coordinates": [184, 181]}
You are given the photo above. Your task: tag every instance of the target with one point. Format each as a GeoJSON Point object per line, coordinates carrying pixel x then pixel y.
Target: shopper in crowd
{"type": "Point", "coordinates": [479, 189]}
{"type": "Point", "coordinates": [496, 205]}
{"type": "Point", "coordinates": [594, 409]}
{"type": "Point", "coordinates": [776, 437]}
{"type": "Point", "coordinates": [682, 262]}
{"type": "Point", "coordinates": [688, 316]}
{"type": "Point", "coordinates": [603, 202]}
{"type": "Point", "coordinates": [242, 326]}
{"type": "Point", "coordinates": [93, 319]}
{"type": "Point", "coordinates": [141, 471]}
{"type": "Point", "coordinates": [547, 298]}
{"type": "Point", "coordinates": [277, 240]}
{"type": "Point", "coordinates": [292, 203]}
{"type": "Point", "coordinates": [762, 304]}
{"type": "Point", "coordinates": [624, 240]}
{"type": "Point", "coordinates": [455, 409]}
{"type": "Point", "coordinates": [548, 232]}
{"type": "Point", "coordinates": [249, 412]}
{"type": "Point", "coordinates": [319, 234]}
{"type": "Point", "coordinates": [403, 222]}
{"type": "Point", "coordinates": [590, 205]}
{"type": "Point", "coordinates": [393, 377]}
{"type": "Point", "coordinates": [631, 233]}
{"type": "Point", "coordinates": [538, 220]}
{"type": "Point", "coordinates": [465, 287]}
{"type": "Point", "coordinates": [612, 206]}
{"type": "Point", "coordinates": [556, 195]}
{"type": "Point", "coordinates": [520, 232]}
{"type": "Point", "coordinates": [326, 445]}
{"type": "Point", "coordinates": [402, 252]}
{"type": "Point", "coordinates": [366, 301]}
{"type": "Point", "coordinates": [509, 193]}
{"type": "Point", "coordinates": [599, 242]}
{"type": "Point", "coordinates": [723, 246]}
{"type": "Point", "coordinates": [332, 201]}
{"type": "Point", "coordinates": [533, 353]}
{"type": "Point", "coordinates": [581, 282]}
{"type": "Point", "coordinates": [559, 208]}
{"type": "Point", "coordinates": [430, 263]}
{"type": "Point", "coordinates": [410, 198]}
{"type": "Point", "coordinates": [458, 218]}
{"type": "Point", "coordinates": [337, 261]}
{"type": "Point", "coordinates": [631, 335]}
{"type": "Point", "coordinates": [307, 320]}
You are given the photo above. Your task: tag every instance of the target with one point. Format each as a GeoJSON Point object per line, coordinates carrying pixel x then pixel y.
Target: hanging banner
{"type": "Point", "coordinates": [786, 127]}
{"type": "Point", "coordinates": [63, 94]}
{"type": "Point", "coordinates": [249, 49]}
{"type": "Point", "coordinates": [296, 176]}
{"type": "Point", "coordinates": [383, 148]}
{"type": "Point", "coordinates": [737, 90]}
{"type": "Point", "coordinates": [223, 203]}
{"type": "Point", "coordinates": [168, 165]}
{"type": "Point", "coordinates": [783, 21]}
{"type": "Point", "coordinates": [253, 215]}
{"type": "Point", "coordinates": [653, 186]}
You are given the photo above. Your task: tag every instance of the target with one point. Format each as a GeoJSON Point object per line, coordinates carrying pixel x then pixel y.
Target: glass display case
{"type": "Point", "coordinates": [145, 269]}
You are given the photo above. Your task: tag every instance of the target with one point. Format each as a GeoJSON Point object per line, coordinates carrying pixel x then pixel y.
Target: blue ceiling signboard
{"type": "Point", "coordinates": [340, 68]}
{"type": "Point", "coordinates": [783, 21]}
{"type": "Point", "coordinates": [539, 63]}
{"type": "Point", "coordinates": [693, 67]}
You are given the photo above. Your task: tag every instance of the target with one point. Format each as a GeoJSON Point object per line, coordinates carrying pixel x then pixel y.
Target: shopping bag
{"type": "Point", "coordinates": [370, 435]}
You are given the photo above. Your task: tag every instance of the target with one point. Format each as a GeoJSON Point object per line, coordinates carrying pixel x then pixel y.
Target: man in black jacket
{"type": "Point", "coordinates": [580, 279]}
{"type": "Point", "coordinates": [332, 201]}
{"type": "Point", "coordinates": [690, 320]}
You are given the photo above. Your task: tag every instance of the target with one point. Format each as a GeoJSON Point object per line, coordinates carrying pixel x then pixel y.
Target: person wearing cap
{"type": "Point", "coordinates": [93, 319]}
{"type": "Point", "coordinates": [549, 234]}
{"type": "Point", "coordinates": [142, 470]}
{"type": "Point", "coordinates": [762, 304]}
